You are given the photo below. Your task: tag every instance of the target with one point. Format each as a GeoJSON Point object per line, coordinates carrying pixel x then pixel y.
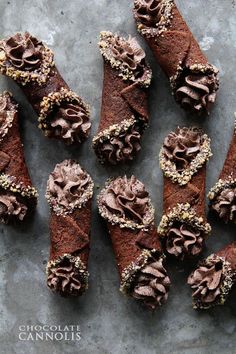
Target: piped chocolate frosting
{"type": "Point", "coordinates": [125, 201]}
{"type": "Point", "coordinates": [153, 16]}
{"type": "Point", "coordinates": [197, 91]}
{"type": "Point", "coordinates": [25, 58]}
{"type": "Point", "coordinates": [67, 277]}
{"type": "Point", "coordinates": [121, 148]}
{"type": "Point", "coordinates": [152, 284]}
{"type": "Point", "coordinates": [211, 282]}
{"type": "Point", "coordinates": [184, 152]}
{"type": "Point", "coordinates": [182, 146]}
{"type": "Point", "coordinates": [71, 122]}
{"type": "Point", "coordinates": [127, 56]}
{"type": "Point", "coordinates": [225, 204]}
{"type": "Point", "coordinates": [184, 241]}
{"type": "Point", "coordinates": [69, 187]}
{"type": "Point", "coordinates": [10, 207]}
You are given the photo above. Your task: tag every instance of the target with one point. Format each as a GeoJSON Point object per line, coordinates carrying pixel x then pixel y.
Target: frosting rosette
{"type": "Point", "coordinates": [68, 187]}
{"type": "Point", "coordinates": [121, 147]}
{"type": "Point", "coordinates": [152, 284]}
{"type": "Point", "coordinates": [127, 56]}
{"type": "Point", "coordinates": [196, 91]}
{"type": "Point", "coordinates": [11, 207]}
{"type": "Point", "coordinates": [126, 201]}
{"type": "Point", "coordinates": [213, 279]}
{"type": "Point", "coordinates": [71, 122]}
{"type": "Point", "coordinates": [67, 276]}
{"type": "Point", "coordinates": [25, 58]}
{"type": "Point", "coordinates": [184, 153]}
{"type": "Point", "coordinates": [182, 146]}
{"type": "Point", "coordinates": [182, 239]}
{"type": "Point", "coordinates": [224, 204]}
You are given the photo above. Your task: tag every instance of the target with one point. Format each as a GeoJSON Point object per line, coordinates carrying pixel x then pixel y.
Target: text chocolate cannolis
{"type": "Point", "coordinates": [126, 207]}
{"type": "Point", "coordinates": [223, 195]}
{"type": "Point", "coordinates": [214, 278]}
{"type": "Point", "coordinates": [62, 113]}
{"type": "Point", "coordinates": [17, 195]}
{"type": "Point", "coordinates": [193, 80]}
{"type": "Point", "coordinates": [124, 112]}
{"type": "Point", "coordinates": [69, 193]}
{"type": "Point", "coordinates": [183, 227]}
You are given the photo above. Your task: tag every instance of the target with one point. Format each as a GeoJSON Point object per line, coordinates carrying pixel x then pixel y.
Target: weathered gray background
{"type": "Point", "coordinates": [109, 322]}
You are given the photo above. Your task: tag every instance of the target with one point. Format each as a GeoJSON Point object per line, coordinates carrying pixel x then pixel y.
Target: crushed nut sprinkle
{"type": "Point", "coordinates": [9, 183]}
{"type": "Point", "coordinates": [169, 168]}
{"type": "Point", "coordinates": [183, 213]}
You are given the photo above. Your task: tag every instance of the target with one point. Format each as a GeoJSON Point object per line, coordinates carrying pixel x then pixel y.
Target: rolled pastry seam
{"type": "Point", "coordinates": [214, 278]}
{"type": "Point", "coordinates": [193, 80]}
{"type": "Point", "coordinates": [124, 112]}
{"type": "Point", "coordinates": [62, 113]}
{"type": "Point", "coordinates": [183, 227]}
{"type": "Point", "coordinates": [17, 195]}
{"type": "Point", "coordinates": [223, 195]}
{"type": "Point", "coordinates": [69, 193]}
{"type": "Point", "coordinates": [126, 207]}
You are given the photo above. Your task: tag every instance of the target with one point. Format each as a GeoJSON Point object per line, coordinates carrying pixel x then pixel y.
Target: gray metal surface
{"type": "Point", "coordinates": [109, 322]}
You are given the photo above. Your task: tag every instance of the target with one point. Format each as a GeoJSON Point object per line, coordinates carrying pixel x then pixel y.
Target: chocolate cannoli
{"type": "Point", "coordinates": [183, 227]}
{"type": "Point", "coordinates": [126, 207]}
{"type": "Point", "coordinates": [69, 193]}
{"type": "Point", "coordinates": [223, 195]}
{"type": "Point", "coordinates": [62, 113]}
{"type": "Point", "coordinates": [193, 80]}
{"type": "Point", "coordinates": [124, 112]}
{"type": "Point", "coordinates": [214, 278]}
{"type": "Point", "coordinates": [17, 195]}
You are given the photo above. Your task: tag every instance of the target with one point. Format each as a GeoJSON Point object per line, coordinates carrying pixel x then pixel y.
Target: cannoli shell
{"type": "Point", "coordinates": [229, 253]}
{"type": "Point", "coordinates": [128, 244]}
{"type": "Point", "coordinates": [120, 99]}
{"type": "Point", "coordinates": [70, 234]}
{"type": "Point", "coordinates": [35, 92]}
{"type": "Point", "coordinates": [192, 193]}
{"type": "Point", "coordinates": [12, 160]}
{"type": "Point", "coordinates": [176, 46]}
{"type": "Point", "coordinates": [229, 168]}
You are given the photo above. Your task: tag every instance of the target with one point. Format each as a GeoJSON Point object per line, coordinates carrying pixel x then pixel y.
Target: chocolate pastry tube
{"type": "Point", "coordinates": [62, 113]}
{"type": "Point", "coordinates": [183, 228]}
{"type": "Point", "coordinates": [126, 207]}
{"type": "Point", "coordinates": [124, 112]}
{"type": "Point", "coordinates": [223, 195]}
{"type": "Point", "coordinates": [193, 80]}
{"type": "Point", "coordinates": [17, 195]}
{"type": "Point", "coordinates": [69, 193]}
{"type": "Point", "coordinates": [214, 278]}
